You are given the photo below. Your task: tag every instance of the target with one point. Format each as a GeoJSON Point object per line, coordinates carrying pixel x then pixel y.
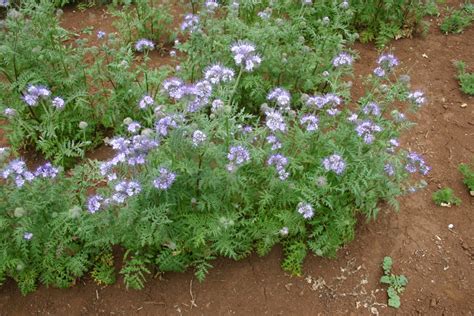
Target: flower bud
{"type": "Point", "coordinates": [83, 125]}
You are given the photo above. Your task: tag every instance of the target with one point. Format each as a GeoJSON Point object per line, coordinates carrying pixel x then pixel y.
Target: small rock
{"type": "Point", "coordinates": [424, 56]}
{"type": "Point", "coordinates": [464, 105]}
{"type": "Point", "coordinates": [445, 204]}
{"type": "Point", "coordinates": [471, 193]}
{"type": "Point", "coordinates": [433, 302]}
{"type": "Point", "coordinates": [450, 226]}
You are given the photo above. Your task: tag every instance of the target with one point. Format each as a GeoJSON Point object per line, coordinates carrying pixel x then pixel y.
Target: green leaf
{"type": "Point", "coordinates": [385, 279]}
{"type": "Point", "coordinates": [394, 301]}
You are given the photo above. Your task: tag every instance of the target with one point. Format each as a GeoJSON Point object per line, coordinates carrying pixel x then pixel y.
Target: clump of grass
{"type": "Point", "coordinates": [466, 79]}
{"type": "Point", "coordinates": [468, 174]}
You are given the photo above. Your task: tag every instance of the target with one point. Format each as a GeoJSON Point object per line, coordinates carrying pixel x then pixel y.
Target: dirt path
{"type": "Point", "coordinates": [437, 261]}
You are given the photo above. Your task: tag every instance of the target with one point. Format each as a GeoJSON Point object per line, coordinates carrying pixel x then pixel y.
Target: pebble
{"type": "Point", "coordinates": [450, 226]}
{"type": "Point", "coordinates": [464, 105]}
{"type": "Point", "coordinates": [471, 193]}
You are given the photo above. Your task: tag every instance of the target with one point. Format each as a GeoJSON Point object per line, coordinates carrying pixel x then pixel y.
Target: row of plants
{"type": "Point", "coordinates": [252, 140]}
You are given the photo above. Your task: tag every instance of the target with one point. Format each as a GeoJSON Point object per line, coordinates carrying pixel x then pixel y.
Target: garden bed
{"type": "Point", "coordinates": [436, 259]}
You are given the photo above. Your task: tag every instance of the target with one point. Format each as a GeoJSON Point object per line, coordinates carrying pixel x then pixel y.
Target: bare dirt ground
{"type": "Point", "coordinates": [438, 261]}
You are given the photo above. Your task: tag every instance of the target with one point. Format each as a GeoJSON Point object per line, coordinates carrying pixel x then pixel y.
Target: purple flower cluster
{"type": "Point", "coordinates": [311, 121]}
{"type": "Point", "coordinates": [17, 170]}
{"type": "Point", "coordinates": [416, 163]}
{"type": "Point", "coordinates": [101, 34]}
{"type": "Point", "coordinates": [275, 121]}
{"type": "Point", "coordinates": [334, 163]}
{"type": "Point", "coordinates": [145, 102]}
{"type": "Point", "coordinates": [132, 151]}
{"type": "Point", "coordinates": [343, 59]}
{"type": "Point", "coordinates": [95, 203]}
{"type": "Point", "coordinates": [133, 127]}
{"type": "Point", "coordinates": [389, 169]}
{"type": "Point", "coordinates": [163, 125]}
{"type": "Point", "coordinates": [34, 93]}
{"type": "Point", "coordinates": [190, 22]}
{"type": "Point", "coordinates": [124, 190]}
{"type": "Point", "coordinates": [417, 97]}
{"type": "Point", "coordinates": [165, 179]}
{"type": "Point", "coordinates": [281, 97]}
{"type": "Point", "coordinates": [398, 116]}
{"type": "Point", "coordinates": [238, 155]}
{"type": "Point", "coordinates": [280, 162]}
{"type": "Point", "coordinates": [9, 112]}
{"type": "Point", "coordinates": [366, 130]}
{"type": "Point", "coordinates": [211, 5]}
{"type": "Point", "coordinates": [386, 62]}
{"type": "Point", "coordinates": [46, 171]}
{"type": "Point", "coordinates": [394, 143]}
{"type": "Point", "coordinates": [58, 103]}
{"type": "Point", "coordinates": [217, 73]}
{"type": "Point", "coordinates": [144, 44]}
{"type": "Point", "coordinates": [305, 209]}
{"type": "Point", "coordinates": [198, 138]}
{"type": "Point", "coordinates": [320, 101]}
{"type": "Point", "coordinates": [245, 54]}
{"type": "Point", "coordinates": [27, 235]}
{"type": "Point", "coordinates": [197, 95]}
{"type": "Point", "coordinates": [274, 141]}
{"type": "Point", "coordinates": [372, 108]}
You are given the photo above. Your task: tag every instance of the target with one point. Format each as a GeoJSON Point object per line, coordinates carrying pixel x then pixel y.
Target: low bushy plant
{"type": "Point", "coordinates": [396, 283]}
{"type": "Point", "coordinates": [457, 20]}
{"type": "Point", "coordinates": [466, 79]}
{"type": "Point", "coordinates": [468, 174]}
{"type": "Point", "coordinates": [446, 197]}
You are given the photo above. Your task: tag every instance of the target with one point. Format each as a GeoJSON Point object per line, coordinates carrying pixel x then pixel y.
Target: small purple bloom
{"type": "Point", "coordinates": [417, 97]}
{"type": "Point", "coordinates": [371, 108]}
{"type": "Point", "coordinates": [389, 169]}
{"type": "Point", "coordinates": [366, 129]}
{"type": "Point", "coordinates": [101, 34]}
{"type": "Point", "coordinates": [27, 236]}
{"type": "Point", "coordinates": [216, 74]}
{"type": "Point", "coordinates": [94, 203]}
{"type": "Point", "coordinates": [280, 162]}
{"type": "Point", "coordinates": [191, 23]}
{"type": "Point", "coordinates": [379, 72]}
{"type": "Point", "coordinates": [124, 190]}
{"type": "Point", "coordinates": [9, 112]}
{"type": "Point", "coordinates": [46, 171]}
{"type": "Point", "coordinates": [245, 55]}
{"type": "Point", "coordinates": [133, 127]}
{"type": "Point", "coordinates": [58, 103]}
{"type": "Point", "coordinates": [311, 122]}
{"type": "Point", "coordinates": [143, 45]}
{"type": "Point", "coordinates": [281, 97]}
{"type": "Point", "coordinates": [274, 141]}
{"type": "Point", "coordinates": [145, 102]}
{"type": "Point", "coordinates": [198, 138]}
{"type": "Point", "coordinates": [164, 180]}
{"type": "Point", "coordinates": [238, 155]}
{"type": "Point", "coordinates": [334, 163]}
{"type": "Point", "coordinates": [164, 124]}
{"type": "Point", "coordinates": [275, 121]}
{"type": "Point", "coordinates": [343, 59]}
{"type": "Point", "coordinates": [305, 209]}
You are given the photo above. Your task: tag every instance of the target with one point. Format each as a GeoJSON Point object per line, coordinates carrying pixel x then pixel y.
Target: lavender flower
{"type": "Point", "coordinates": [333, 111]}
{"type": "Point", "coordinates": [198, 137]}
{"type": "Point", "coordinates": [216, 74]}
{"type": "Point", "coordinates": [398, 116]}
{"type": "Point", "coordinates": [245, 55]}
{"type": "Point", "coordinates": [46, 171]}
{"type": "Point", "coordinates": [211, 5]}
{"type": "Point", "coordinates": [281, 97]}
{"type": "Point", "coordinates": [174, 87]}
{"type": "Point", "coordinates": [379, 72]}
{"type": "Point", "coordinates": [191, 23]}
{"type": "Point", "coordinates": [17, 170]}
{"type": "Point", "coordinates": [371, 108]}
{"type": "Point", "coordinates": [305, 209]}
{"type": "Point", "coordinates": [343, 59]}
{"type": "Point", "coordinates": [124, 190]}
{"type": "Point", "coordinates": [132, 151]}
{"type": "Point", "coordinates": [353, 117]}
{"type": "Point", "coordinates": [274, 141]}
{"type": "Point", "coordinates": [311, 122]}
{"type": "Point", "coordinates": [238, 155]}
{"type": "Point", "coordinates": [58, 103]}
{"type": "Point", "coordinates": [389, 169]}
{"type": "Point", "coordinates": [164, 124]}
{"type": "Point", "coordinates": [9, 112]}
{"type": "Point", "coordinates": [35, 93]}
{"type": "Point", "coordinates": [417, 97]}
{"type": "Point", "coordinates": [95, 203]}
{"type": "Point", "coordinates": [101, 34]}
{"type": "Point", "coordinates": [416, 163]}
{"type": "Point", "coordinates": [144, 45]}
{"type": "Point", "coordinates": [320, 101]}
{"type": "Point", "coordinates": [366, 129]}
{"type": "Point", "coordinates": [275, 121]}
{"type": "Point", "coordinates": [334, 163]}
{"type": "Point", "coordinates": [27, 235]}
{"type": "Point", "coordinates": [280, 162]}
{"type": "Point", "coordinates": [393, 144]}
{"type": "Point", "coordinates": [387, 61]}
{"type": "Point", "coordinates": [265, 14]}
{"type": "Point", "coordinates": [217, 105]}
{"type": "Point", "coordinates": [164, 180]}
{"type": "Point", "coordinates": [145, 102]}
{"type": "Point", "coordinates": [198, 95]}
{"type": "Point", "coordinates": [133, 127]}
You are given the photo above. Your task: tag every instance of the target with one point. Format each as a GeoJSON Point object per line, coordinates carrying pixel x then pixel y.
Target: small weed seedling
{"type": "Point", "coordinates": [466, 79]}
{"type": "Point", "coordinates": [396, 283]}
{"type": "Point", "coordinates": [468, 175]}
{"type": "Point", "coordinates": [445, 197]}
